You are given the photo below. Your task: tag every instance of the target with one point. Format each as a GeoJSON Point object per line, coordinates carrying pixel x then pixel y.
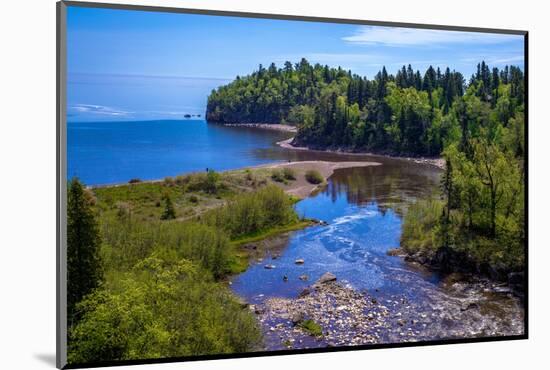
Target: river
{"type": "Point", "coordinates": [364, 209]}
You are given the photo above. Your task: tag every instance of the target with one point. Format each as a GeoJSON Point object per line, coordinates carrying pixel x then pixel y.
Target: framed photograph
{"type": "Point", "coordinates": [236, 185]}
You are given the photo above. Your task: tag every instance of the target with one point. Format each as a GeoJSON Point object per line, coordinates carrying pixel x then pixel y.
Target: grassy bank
{"type": "Point", "coordinates": [166, 249]}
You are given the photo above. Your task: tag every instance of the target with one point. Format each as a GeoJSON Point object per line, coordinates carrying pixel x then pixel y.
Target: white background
{"type": "Point", "coordinates": [27, 185]}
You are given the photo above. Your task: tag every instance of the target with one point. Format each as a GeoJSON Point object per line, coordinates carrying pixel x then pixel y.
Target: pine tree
{"type": "Point", "coordinates": [84, 270]}
{"type": "Point", "coordinates": [169, 211]}
{"type": "Point", "coordinates": [447, 190]}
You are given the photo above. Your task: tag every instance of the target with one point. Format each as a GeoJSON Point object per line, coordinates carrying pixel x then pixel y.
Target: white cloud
{"type": "Point", "coordinates": [494, 60]}
{"type": "Point", "coordinates": [395, 36]}
{"type": "Point", "coordinates": [507, 60]}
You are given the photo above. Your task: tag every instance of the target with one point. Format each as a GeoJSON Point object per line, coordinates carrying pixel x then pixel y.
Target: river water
{"type": "Point", "coordinates": [364, 210]}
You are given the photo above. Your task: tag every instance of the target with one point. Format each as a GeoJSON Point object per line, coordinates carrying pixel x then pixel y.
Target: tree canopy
{"type": "Point", "coordinates": [408, 113]}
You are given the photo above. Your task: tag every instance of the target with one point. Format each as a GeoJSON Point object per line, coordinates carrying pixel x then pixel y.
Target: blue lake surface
{"type": "Point", "coordinates": [115, 152]}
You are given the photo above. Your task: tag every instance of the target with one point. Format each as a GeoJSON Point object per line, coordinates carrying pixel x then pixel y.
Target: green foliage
{"type": "Point", "coordinates": [84, 270]}
{"type": "Point", "coordinates": [405, 114]}
{"type": "Point", "coordinates": [161, 308]}
{"type": "Point", "coordinates": [252, 213]}
{"type": "Point", "coordinates": [314, 177]}
{"type": "Point", "coordinates": [277, 175]}
{"type": "Point", "coordinates": [162, 296]}
{"type": "Point", "coordinates": [420, 227]}
{"type": "Point", "coordinates": [289, 173]}
{"type": "Point", "coordinates": [212, 181]}
{"type": "Point", "coordinates": [169, 211]}
{"type": "Point", "coordinates": [127, 241]}
{"type": "Point", "coordinates": [311, 327]}
{"type": "Point", "coordinates": [483, 215]}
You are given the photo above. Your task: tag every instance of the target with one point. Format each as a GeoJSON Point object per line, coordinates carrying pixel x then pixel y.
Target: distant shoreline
{"type": "Point", "coordinates": [436, 162]}
{"type": "Point", "coordinates": [287, 144]}
{"type": "Point", "coordinates": [267, 126]}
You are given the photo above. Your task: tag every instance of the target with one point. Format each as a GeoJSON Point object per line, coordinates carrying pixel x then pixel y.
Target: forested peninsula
{"type": "Point", "coordinates": [476, 222]}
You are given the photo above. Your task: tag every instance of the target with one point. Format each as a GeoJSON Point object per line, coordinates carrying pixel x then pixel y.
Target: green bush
{"type": "Point", "coordinates": [420, 225]}
{"type": "Point", "coordinates": [161, 309]}
{"type": "Point", "coordinates": [162, 295]}
{"type": "Point", "coordinates": [314, 177]}
{"type": "Point", "coordinates": [169, 181]}
{"type": "Point", "coordinates": [277, 175]}
{"type": "Point", "coordinates": [169, 211]}
{"type": "Point", "coordinates": [289, 173]}
{"type": "Point", "coordinates": [128, 241]}
{"type": "Point", "coordinates": [254, 212]}
{"type": "Point", "coordinates": [311, 327]}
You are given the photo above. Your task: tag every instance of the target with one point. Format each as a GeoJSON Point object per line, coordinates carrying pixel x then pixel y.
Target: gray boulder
{"type": "Point", "coordinates": [325, 278]}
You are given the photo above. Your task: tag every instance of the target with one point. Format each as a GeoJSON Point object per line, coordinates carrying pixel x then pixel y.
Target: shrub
{"type": "Point", "coordinates": [161, 309]}
{"type": "Point", "coordinates": [211, 183]}
{"type": "Point", "coordinates": [169, 211]}
{"type": "Point", "coordinates": [250, 213]}
{"type": "Point", "coordinates": [314, 177]}
{"type": "Point", "coordinates": [181, 180]}
{"type": "Point", "coordinates": [419, 226]}
{"type": "Point", "coordinates": [277, 175]}
{"type": "Point", "coordinates": [193, 198]}
{"type": "Point", "coordinates": [311, 327]}
{"type": "Point", "coordinates": [134, 181]}
{"type": "Point", "coordinates": [289, 173]}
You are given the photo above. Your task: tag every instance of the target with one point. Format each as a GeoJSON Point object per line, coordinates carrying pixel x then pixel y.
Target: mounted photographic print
{"type": "Point", "coordinates": [235, 185]}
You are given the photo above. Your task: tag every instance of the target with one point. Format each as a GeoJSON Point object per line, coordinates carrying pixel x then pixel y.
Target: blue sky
{"type": "Point", "coordinates": [126, 65]}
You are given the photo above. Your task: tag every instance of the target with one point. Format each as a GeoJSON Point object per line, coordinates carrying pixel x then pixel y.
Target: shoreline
{"type": "Point", "coordinates": [287, 144]}
{"type": "Point", "coordinates": [265, 126]}
{"type": "Point", "coordinates": [435, 162]}
{"type": "Point", "coordinates": [298, 187]}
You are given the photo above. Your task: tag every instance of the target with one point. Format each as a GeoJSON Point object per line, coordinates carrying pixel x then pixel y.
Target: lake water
{"type": "Point", "coordinates": [115, 152]}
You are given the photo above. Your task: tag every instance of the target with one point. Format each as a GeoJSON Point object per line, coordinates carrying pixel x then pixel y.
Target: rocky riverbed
{"type": "Point", "coordinates": [332, 313]}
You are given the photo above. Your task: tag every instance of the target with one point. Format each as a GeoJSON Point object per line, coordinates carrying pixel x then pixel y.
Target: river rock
{"type": "Point", "coordinates": [299, 261]}
{"type": "Point", "coordinates": [469, 306]}
{"type": "Point", "coordinates": [394, 252]}
{"type": "Point", "coordinates": [303, 277]}
{"type": "Point", "coordinates": [297, 317]}
{"type": "Point", "coordinates": [269, 266]}
{"type": "Point", "coordinates": [304, 293]}
{"type": "Point", "coordinates": [325, 278]}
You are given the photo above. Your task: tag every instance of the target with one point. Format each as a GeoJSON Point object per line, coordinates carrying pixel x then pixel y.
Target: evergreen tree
{"type": "Point", "coordinates": [84, 270]}
{"type": "Point", "coordinates": [169, 211]}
